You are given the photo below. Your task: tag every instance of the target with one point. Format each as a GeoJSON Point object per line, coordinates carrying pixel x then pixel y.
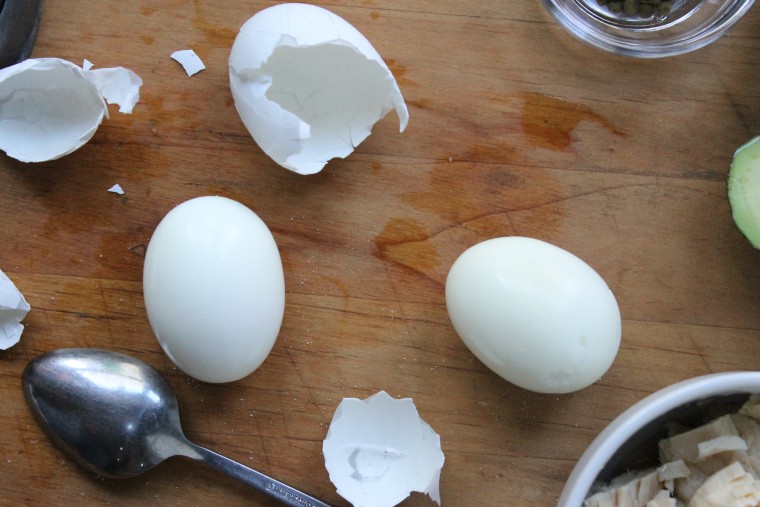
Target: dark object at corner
{"type": "Point", "coordinates": [19, 20]}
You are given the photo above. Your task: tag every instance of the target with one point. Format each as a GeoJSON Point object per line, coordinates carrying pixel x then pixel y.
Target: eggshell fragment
{"type": "Point", "coordinates": [118, 86]}
{"type": "Point", "coordinates": [50, 107]}
{"type": "Point", "coordinates": [378, 450]}
{"type": "Point", "coordinates": [116, 189]}
{"type": "Point", "coordinates": [190, 61]}
{"type": "Point", "coordinates": [214, 288]}
{"type": "Point", "coordinates": [309, 86]}
{"type": "Point", "coordinates": [13, 309]}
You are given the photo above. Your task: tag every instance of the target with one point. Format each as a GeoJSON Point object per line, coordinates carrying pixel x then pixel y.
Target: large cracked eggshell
{"type": "Point", "coordinates": [309, 86]}
{"type": "Point", "coordinates": [378, 450]}
{"type": "Point", "coordinates": [51, 107]}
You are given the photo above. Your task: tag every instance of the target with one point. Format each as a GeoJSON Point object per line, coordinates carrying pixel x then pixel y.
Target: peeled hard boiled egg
{"type": "Point", "coordinates": [534, 313]}
{"type": "Point", "coordinates": [214, 288]}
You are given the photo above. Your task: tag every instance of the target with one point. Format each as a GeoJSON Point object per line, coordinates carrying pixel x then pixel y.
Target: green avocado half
{"type": "Point", "coordinates": [744, 190]}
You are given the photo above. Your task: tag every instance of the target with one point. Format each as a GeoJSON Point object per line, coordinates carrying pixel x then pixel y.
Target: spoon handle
{"type": "Point", "coordinates": [272, 487]}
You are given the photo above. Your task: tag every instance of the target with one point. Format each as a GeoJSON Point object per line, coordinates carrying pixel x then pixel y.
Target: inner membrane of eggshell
{"type": "Point", "coordinates": [44, 111]}
{"type": "Point", "coordinates": [335, 90]}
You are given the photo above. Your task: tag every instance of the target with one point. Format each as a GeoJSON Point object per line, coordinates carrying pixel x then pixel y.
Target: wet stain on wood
{"type": "Point", "coordinates": [405, 242]}
{"type": "Point", "coordinates": [549, 121]}
{"type": "Point", "coordinates": [217, 36]}
{"type": "Point", "coordinates": [458, 192]}
{"type": "Point", "coordinates": [419, 103]}
{"type": "Point", "coordinates": [399, 72]}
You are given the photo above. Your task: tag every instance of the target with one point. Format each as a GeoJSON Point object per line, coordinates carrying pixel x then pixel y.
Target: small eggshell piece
{"type": "Point", "coordinates": [117, 85]}
{"type": "Point", "coordinates": [534, 313]}
{"type": "Point", "coordinates": [214, 288]}
{"type": "Point", "coordinates": [378, 451]}
{"type": "Point", "coordinates": [190, 61]}
{"type": "Point", "coordinates": [13, 309]}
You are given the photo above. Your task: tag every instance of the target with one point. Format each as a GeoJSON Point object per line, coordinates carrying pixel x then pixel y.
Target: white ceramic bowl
{"type": "Point", "coordinates": [630, 441]}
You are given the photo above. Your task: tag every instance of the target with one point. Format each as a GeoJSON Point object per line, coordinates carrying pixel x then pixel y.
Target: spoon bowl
{"type": "Point", "coordinates": [118, 417]}
{"type": "Point", "coordinates": [19, 20]}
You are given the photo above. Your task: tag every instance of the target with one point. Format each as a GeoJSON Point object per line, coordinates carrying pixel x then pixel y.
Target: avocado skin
{"type": "Point", "coordinates": [744, 190]}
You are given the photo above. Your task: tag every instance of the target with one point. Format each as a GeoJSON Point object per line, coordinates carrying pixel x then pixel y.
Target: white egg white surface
{"type": "Point", "coordinates": [534, 313]}
{"type": "Point", "coordinates": [214, 288]}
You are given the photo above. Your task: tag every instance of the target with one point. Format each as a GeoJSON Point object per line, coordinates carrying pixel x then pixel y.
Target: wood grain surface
{"type": "Point", "coordinates": [516, 129]}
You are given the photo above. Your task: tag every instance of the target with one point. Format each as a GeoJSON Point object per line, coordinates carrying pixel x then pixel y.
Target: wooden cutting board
{"type": "Point", "coordinates": [516, 129]}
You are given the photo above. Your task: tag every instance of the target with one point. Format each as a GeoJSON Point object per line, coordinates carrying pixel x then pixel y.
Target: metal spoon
{"type": "Point", "coordinates": [19, 20]}
{"type": "Point", "coordinates": [118, 417]}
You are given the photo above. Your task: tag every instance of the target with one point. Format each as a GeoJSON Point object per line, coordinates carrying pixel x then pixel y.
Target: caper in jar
{"type": "Point", "coordinates": [638, 8]}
